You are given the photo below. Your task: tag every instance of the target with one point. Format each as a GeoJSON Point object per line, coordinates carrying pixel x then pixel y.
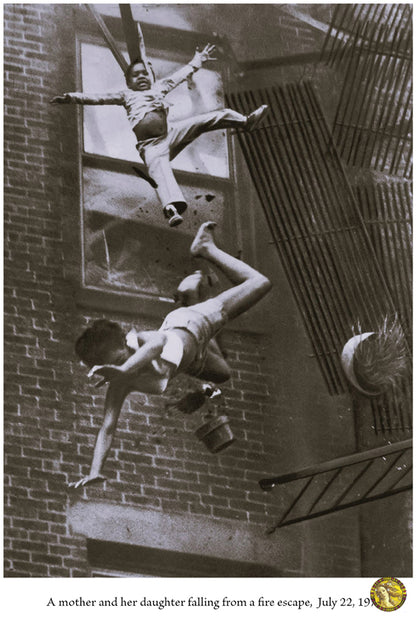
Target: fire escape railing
{"type": "Point", "coordinates": [372, 45]}
{"type": "Point", "coordinates": [345, 482]}
{"type": "Point", "coordinates": [315, 221]}
{"type": "Point", "coordinates": [386, 210]}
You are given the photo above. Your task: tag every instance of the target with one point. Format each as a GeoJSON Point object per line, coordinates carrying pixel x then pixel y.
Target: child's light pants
{"type": "Point", "coordinates": [157, 153]}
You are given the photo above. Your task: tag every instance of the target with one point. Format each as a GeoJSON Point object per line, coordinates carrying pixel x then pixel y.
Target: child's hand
{"type": "Point", "coordinates": [60, 99]}
{"type": "Point", "coordinates": [90, 480]}
{"type": "Point", "coordinates": [203, 56]}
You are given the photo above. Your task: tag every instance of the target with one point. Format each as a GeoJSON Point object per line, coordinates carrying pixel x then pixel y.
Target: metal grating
{"type": "Point", "coordinates": [387, 213]}
{"type": "Point", "coordinates": [386, 210]}
{"type": "Point", "coordinates": [392, 411]}
{"type": "Point", "coordinates": [373, 122]}
{"type": "Point", "coordinates": [346, 482]}
{"type": "Point", "coordinates": [315, 222]}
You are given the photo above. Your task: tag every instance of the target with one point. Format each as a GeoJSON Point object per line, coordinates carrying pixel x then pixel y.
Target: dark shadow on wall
{"type": "Point", "coordinates": [108, 558]}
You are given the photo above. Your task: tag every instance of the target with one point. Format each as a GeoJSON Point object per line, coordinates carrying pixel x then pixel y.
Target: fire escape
{"type": "Point", "coordinates": [345, 244]}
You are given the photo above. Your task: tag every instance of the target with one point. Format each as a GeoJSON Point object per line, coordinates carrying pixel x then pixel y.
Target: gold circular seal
{"type": "Point", "coordinates": [388, 593]}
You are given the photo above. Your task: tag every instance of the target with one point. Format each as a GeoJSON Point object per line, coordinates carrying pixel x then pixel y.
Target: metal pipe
{"type": "Point", "coordinates": [108, 37]}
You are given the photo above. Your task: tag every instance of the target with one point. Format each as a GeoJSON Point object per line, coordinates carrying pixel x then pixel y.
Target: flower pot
{"type": "Point", "coordinates": [347, 361]}
{"type": "Point", "coordinates": [216, 434]}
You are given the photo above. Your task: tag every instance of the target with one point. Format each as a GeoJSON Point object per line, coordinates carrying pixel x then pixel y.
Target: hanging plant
{"type": "Point", "coordinates": [374, 361]}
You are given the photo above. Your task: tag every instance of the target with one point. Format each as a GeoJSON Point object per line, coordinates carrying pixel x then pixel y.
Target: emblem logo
{"type": "Point", "coordinates": [388, 593]}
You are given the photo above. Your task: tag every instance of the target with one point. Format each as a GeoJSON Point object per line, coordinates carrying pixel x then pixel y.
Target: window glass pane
{"type": "Point", "coordinates": [107, 131]}
{"type": "Point", "coordinates": [127, 244]}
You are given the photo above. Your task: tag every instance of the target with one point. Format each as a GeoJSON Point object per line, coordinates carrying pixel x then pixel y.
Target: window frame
{"type": "Point", "coordinates": [106, 298]}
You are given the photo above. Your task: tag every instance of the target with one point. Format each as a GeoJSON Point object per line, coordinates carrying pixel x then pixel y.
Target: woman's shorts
{"type": "Point", "coordinates": [203, 320]}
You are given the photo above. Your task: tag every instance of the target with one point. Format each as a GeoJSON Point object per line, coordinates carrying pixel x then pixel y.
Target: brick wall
{"type": "Point", "coordinates": [51, 415]}
{"type": "Point", "coordinates": [37, 306]}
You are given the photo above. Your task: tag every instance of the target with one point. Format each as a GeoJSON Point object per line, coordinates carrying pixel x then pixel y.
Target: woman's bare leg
{"type": "Point", "coordinates": [216, 369]}
{"type": "Point", "coordinates": [194, 289]}
{"type": "Point", "coordinates": [251, 285]}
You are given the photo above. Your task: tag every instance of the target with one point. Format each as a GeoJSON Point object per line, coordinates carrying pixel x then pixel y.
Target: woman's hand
{"type": "Point", "coordinates": [90, 480]}
{"type": "Point", "coordinates": [107, 371]}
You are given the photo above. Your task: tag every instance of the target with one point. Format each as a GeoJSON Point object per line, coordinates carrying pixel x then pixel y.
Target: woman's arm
{"type": "Point", "coordinates": [114, 400]}
{"type": "Point", "coordinates": [151, 349]}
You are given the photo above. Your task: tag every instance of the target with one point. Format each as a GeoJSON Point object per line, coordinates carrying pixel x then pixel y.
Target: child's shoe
{"type": "Point", "coordinates": [171, 213]}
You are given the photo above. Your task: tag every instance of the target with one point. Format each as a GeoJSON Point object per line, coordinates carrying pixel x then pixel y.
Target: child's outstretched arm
{"type": "Point", "coordinates": [199, 58]}
{"type": "Point", "coordinates": [114, 400]}
{"type": "Point", "coordinates": [88, 98]}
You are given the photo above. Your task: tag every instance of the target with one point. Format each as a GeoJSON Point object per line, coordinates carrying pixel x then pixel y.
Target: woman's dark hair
{"type": "Point", "coordinates": [99, 341]}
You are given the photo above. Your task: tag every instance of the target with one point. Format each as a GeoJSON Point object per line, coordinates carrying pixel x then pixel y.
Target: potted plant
{"type": "Point", "coordinates": [374, 361]}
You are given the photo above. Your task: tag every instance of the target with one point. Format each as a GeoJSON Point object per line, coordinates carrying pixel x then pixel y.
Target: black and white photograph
{"type": "Point", "coordinates": [208, 307]}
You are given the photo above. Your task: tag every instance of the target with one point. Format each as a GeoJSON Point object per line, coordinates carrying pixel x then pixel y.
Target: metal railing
{"type": "Point", "coordinates": [386, 210]}
{"type": "Point", "coordinates": [372, 46]}
{"type": "Point", "coordinates": [315, 222]}
{"type": "Point", "coordinates": [345, 482]}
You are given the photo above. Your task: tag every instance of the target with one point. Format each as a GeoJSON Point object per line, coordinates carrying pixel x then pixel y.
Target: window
{"type": "Point", "coordinates": [106, 130]}
{"type": "Point", "coordinates": [126, 243]}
